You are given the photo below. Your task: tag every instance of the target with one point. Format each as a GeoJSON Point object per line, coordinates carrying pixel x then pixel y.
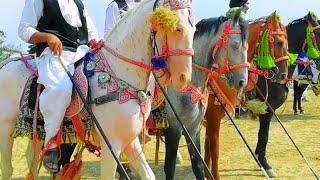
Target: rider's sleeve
{"type": "Point", "coordinates": [92, 31]}
{"type": "Point", "coordinates": [32, 12]}
{"type": "Point", "coordinates": [112, 17]}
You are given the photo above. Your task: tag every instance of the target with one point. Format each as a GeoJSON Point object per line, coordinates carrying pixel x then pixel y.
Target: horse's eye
{"type": "Point", "coordinates": [180, 30]}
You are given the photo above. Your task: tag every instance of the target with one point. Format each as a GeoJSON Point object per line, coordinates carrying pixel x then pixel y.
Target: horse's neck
{"type": "Point", "coordinates": [203, 48]}
{"type": "Point", "coordinates": [296, 42]}
{"type": "Point", "coordinates": [254, 35]}
{"type": "Point", "coordinates": [131, 38]}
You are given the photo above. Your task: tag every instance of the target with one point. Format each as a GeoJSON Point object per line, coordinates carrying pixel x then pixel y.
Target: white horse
{"type": "Point", "coordinates": [121, 122]}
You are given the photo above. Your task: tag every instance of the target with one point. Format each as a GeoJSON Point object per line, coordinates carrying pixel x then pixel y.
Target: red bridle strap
{"type": "Point", "coordinates": [177, 52]}
{"type": "Point", "coordinates": [259, 72]}
{"type": "Point", "coordinates": [305, 63]}
{"type": "Point", "coordinates": [128, 60]}
{"type": "Point", "coordinates": [283, 58]}
{"type": "Point", "coordinates": [230, 68]}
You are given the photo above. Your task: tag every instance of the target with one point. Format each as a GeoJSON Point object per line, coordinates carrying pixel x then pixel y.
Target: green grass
{"type": "Point", "coordinates": [235, 159]}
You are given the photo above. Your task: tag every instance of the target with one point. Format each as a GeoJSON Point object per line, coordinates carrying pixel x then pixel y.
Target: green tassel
{"type": "Point", "coordinates": [264, 59]}
{"type": "Point", "coordinates": [257, 107]}
{"type": "Point", "coordinates": [312, 52]}
{"type": "Point", "coordinates": [292, 59]}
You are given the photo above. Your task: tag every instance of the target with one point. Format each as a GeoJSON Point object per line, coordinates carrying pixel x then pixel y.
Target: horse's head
{"type": "Point", "coordinates": [268, 45]}
{"type": "Point", "coordinates": [174, 29]}
{"type": "Point", "coordinates": [224, 41]}
{"type": "Point", "coordinates": [314, 24]}
{"type": "Point", "coordinates": [308, 38]}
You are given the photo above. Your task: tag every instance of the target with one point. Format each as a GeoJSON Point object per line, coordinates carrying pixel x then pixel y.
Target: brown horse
{"type": "Point", "coordinates": [215, 112]}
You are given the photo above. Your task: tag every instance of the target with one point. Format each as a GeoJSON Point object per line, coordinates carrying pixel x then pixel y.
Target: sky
{"type": "Point", "coordinates": [10, 12]}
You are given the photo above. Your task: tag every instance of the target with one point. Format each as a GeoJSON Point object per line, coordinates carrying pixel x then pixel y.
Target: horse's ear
{"type": "Point", "coordinates": [274, 15]}
{"type": "Point", "coordinates": [312, 16]}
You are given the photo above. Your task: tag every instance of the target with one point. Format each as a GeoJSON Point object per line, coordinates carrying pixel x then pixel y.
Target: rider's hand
{"type": "Point", "coordinates": [54, 44]}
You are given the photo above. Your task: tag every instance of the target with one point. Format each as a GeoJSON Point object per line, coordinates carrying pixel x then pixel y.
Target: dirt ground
{"type": "Point", "coordinates": [235, 159]}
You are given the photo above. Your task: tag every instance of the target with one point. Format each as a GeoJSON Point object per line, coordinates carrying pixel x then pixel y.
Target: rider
{"type": "Point", "coordinates": [61, 30]}
{"type": "Point", "coordinates": [240, 3]}
{"type": "Point", "coordinates": [114, 13]}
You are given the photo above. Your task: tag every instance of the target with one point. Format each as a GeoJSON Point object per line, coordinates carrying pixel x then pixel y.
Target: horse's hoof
{"type": "Point", "coordinates": [295, 113]}
{"type": "Point", "coordinates": [117, 176]}
{"type": "Point", "coordinates": [302, 112]}
{"type": "Point", "coordinates": [270, 173]}
{"type": "Point", "coordinates": [179, 158]}
{"type": "Point", "coordinates": [30, 176]}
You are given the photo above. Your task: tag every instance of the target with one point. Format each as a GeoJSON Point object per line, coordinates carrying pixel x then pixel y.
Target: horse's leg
{"type": "Point", "coordinates": [197, 165]}
{"type": "Point", "coordinates": [8, 118]}
{"type": "Point", "coordinates": [13, 77]}
{"type": "Point", "coordinates": [172, 137]}
{"type": "Point", "coordinates": [6, 155]}
{"type": "Point", "coordinates": [108, 164]}
{"type": "Point", "coordinates": [302, 88]}
{"type": "Point", "coordinates": [295, 96]}
{"type": "Point", "coordinates": [214, 115]}
{"type": "Point", "coordinates": [33, 153]}
{"type": "Point", "coordinates": [138, 160]}
{"type": "Point", "coordinates": [263, 137]}
{"type": "Point", "coordinates": [207, 147]}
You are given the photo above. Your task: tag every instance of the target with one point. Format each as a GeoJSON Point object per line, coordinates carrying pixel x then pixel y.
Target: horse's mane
{"type": "Point", "coordinates": [298, 21]}
{"type": "Point", "coordinates": [206, 26]}
{"type": "Point", "coordinates": [259, 20]}
{"type": "Point", "coordinates": [304, 19]}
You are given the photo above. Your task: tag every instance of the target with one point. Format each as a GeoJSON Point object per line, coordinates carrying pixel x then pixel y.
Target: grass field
{"type": "Point", "coordinates": [235, 160]}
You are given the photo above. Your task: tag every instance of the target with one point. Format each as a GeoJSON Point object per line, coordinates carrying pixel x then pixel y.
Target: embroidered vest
{"type": "Point", "coordinates": [122, 5]}
{"type": "Point", "coordinates": [52, 21]}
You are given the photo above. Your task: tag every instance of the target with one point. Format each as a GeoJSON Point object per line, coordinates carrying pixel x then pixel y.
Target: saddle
{"type": "Point", "coordinates": [24, 126]}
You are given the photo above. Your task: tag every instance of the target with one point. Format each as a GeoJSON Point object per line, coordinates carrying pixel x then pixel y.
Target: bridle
{"type": "Point", "coordinates": [166, 52]}
{"type": "Point", "coordinates": [272, 33]}
{"type": "Point", "coordinates": [213, 73]}
{"type": "Point", "coordinates": [314, 39]}
{"type": "Point", "coordinates": [222, 45]}
{"type": "Point", "coordinates": [269, 28]}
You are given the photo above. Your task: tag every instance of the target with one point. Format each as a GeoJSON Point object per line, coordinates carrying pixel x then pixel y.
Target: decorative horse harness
{"type": "Point", "coordinates": [118, 89]}
{"type": "Point", "coordinates": [267, 28]}
{"type": "Point", "coordinates": [214, 71]}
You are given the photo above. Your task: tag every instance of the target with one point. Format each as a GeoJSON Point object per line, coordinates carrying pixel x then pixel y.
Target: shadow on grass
{"type": "Point", "coordinates": [304, 117]}
{"type": "Point", "coordinates": [241, 172]}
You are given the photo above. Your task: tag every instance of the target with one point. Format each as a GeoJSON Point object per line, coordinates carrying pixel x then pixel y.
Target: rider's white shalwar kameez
{"type": "Point", "coordinates": [113, 15]}
{"type": "Point", "coordinates": [56, 97]}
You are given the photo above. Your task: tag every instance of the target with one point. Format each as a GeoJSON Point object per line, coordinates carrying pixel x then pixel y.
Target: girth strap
{"type": "Point", "coordinates": [108, 98]}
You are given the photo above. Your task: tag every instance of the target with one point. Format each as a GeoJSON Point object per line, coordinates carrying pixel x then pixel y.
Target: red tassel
{"type": "Point", "coordinates": [72, 171]}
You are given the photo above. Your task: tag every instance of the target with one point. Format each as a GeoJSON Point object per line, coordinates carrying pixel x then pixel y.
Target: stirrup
{"type": "Point", "coordinates": [50, 156]}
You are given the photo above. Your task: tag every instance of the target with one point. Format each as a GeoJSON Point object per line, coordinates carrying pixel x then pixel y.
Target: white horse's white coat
{"type": "Point", "coordinates": [121, 122]}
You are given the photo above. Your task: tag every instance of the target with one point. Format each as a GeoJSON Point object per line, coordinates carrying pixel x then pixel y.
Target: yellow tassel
{"type": "Point", "coordinates": [257, 107]}
{"type": "Point", "coordinates": [164, 20]}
